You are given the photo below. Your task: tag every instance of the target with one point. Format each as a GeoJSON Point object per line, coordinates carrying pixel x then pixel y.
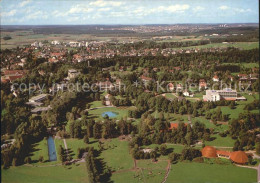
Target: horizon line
{"type": "Point", "coordinates": [130, 24]}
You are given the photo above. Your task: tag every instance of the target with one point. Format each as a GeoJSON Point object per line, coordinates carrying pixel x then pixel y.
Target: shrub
{"type": "Point", "coordinates": [41, 159]}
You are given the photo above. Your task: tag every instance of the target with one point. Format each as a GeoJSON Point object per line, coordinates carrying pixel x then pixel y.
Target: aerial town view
{"type": "Point", "coordinates": [121, 91]}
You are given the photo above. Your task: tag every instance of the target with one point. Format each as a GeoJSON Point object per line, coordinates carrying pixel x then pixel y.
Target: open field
{"type": "Point", "coordinates": [96, 104]}
{"type": "Point", "coordinates": [147, 171]}
{"type": "Point", "coordinates": [40, 149]}
{"type": "Point", "coordinates": [242, 45]}
{"type": "Point", "coordinates": [213, 173]}
{"type": "Point", "coordinates": [27, 37]}
{"type": "Point", "coordinates": [116, 155]}
{"type": "Point", "coordinates": [55, 174]}
{"type": "Point", "coordinates": [246, 65]}
{"type": "Point", "coordinates": [221, 141]}
{"type": "Point", "coordinates": [97, 113]}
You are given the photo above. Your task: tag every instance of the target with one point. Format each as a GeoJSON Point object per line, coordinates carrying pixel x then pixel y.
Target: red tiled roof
{"type": "Point", "coordinates": [239, 157]}
{"type": "Point", "coordinates": [12, 78]}
{"type": "Point", "coordinates": [223, 153]}
{"type": "Point", "coordinates": [13, 72]}
{"type": "Point", "coordinates": [145, 78]}
{"type": "Point", "coordinates": [175, 125]}
{"type": "Point", "coordinates": [209, 152]}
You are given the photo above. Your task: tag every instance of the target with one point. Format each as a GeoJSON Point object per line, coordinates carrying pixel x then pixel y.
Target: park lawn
{"type": "Point", "coordinates": [40, 149]}
{"type": "Point", "coordinates": [158, 170]}
{"type": "Point", "coordinates": [221, 141]}
{"type": "Point", "coordinates": [234, 113]}
{"type": "Point", "coordinates": [147, 172]}
{"type": "Point", "coordinates": [170, 96]}
{"type": "Point", "coordinates": [177, 148]}
{"type": "Point", "coordinates": [96, 104]}
{"type": "Point", "coordinates": [58, 142]}
{"type": "Point", "coordinates": [208, 124]}
{"type": "Point", "coordinates": [97, 113]}
{"type": "Point", "coordinates": [116, 155]}
{"type": "Point", "coordinates": [73, 145]}
{"type": "Point", "coordinates": [213, 173]}
{"type": "Point", "coordinates": [55, 174]}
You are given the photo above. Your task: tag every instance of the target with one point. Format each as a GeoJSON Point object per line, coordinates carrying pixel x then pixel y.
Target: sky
{"type": "Point", "coordinates": [75, 12]}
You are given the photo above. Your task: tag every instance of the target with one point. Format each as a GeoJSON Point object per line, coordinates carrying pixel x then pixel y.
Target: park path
{"type": "Point", "coordinates": [65, 145]}
{"type": "Point", "coordinates": [167, 171]}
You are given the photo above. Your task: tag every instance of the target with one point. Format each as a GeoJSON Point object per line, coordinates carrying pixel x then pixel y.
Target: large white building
{"type": "Point", "coordinates": [216, 95]}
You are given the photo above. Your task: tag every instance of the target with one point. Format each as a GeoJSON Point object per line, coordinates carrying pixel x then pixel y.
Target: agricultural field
{"type": "Point", "coordinates": [242, 45]}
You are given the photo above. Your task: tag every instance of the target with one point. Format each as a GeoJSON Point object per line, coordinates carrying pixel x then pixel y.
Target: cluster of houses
{"type": "Point", "coordinates": [11, 75]}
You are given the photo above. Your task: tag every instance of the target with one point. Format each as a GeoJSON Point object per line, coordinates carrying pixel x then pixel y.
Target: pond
{"type": "Point", "coordinates": [51, 149]}
{"type": "Point", "coordinates": [110, 114]}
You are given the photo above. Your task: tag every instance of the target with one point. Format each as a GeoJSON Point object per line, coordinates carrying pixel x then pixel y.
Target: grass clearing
{"type": "Point", "coordinates": [54, 174]}
{"type": "Point", "coordinates": [221, 141]}
{"type": "Point", "coordinates": [116, 155]}
{"type": "Point", "coordinates": [213, 173]}
{"type": "Point", "coordinates": [97, 113]}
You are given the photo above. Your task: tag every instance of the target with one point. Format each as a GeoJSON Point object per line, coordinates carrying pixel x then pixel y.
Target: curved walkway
{"type": "Point", "coordinates": [167, 171]}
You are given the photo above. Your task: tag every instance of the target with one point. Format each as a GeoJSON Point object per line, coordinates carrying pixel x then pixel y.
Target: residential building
{"type": "Point", "coordinates": [215, 78]}
{"type": "Point", "coordinates": [72, 73]}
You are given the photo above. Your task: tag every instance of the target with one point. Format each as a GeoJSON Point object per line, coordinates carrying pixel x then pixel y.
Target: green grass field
{"type": "Point", "coordinates": [212, 173]}
{"type": "Point", "coordinates": [117, 155]}
{"type": "Point", "coordinates": [147, 172]}
{"type": "Point", "coordinates": [96, 104]}
{"type": "Point", "coordinates": [40, 149]}
{"type": "Point", "coordinates": [97, 113]}
{"type": "Point", "coordinates": [221, 141]}
{"type": "Point", "coordinates": [246, 65]}
{"type": "Point", "coordinates": [243, 45]}
{"type": "Point", "coordinates": [53, 174]}
{"type": "Point", "coordinates": [234, 113]}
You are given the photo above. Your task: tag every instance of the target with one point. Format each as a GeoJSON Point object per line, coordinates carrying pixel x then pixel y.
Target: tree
{"type": "Point", "coordinates": [153, 155]}
{"type": "Point", "coordinates": [236, 145]}
{"type": "Point", "coordinates": [86, 139]}
{"type": "Point", "coordinates": [163, 149]}
{"type": "Point", "coordinates": [174, 157]}
{"type": "Point", "coordinates": [232, 105]}
{"type": "Point", "coordinates": [258, 148]}
{"type": "Point", "coordinates": [97, 130]}
{"type": "Point", "coordinates": [41, 159]}
{"type": "Point", "coordinates": [27, 160]}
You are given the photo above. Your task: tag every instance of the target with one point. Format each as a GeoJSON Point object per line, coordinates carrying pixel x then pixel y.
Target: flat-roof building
{"type": "Point", "coordinates": [38, 98]}
{"type": "Point", "coordinates": [216, 95]}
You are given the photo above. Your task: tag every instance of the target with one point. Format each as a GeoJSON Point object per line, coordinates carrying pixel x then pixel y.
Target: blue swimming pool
{"type": "Point", "coordinates": [52, 149]}
{"type": "Point", "coordinates": [110, 114]}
